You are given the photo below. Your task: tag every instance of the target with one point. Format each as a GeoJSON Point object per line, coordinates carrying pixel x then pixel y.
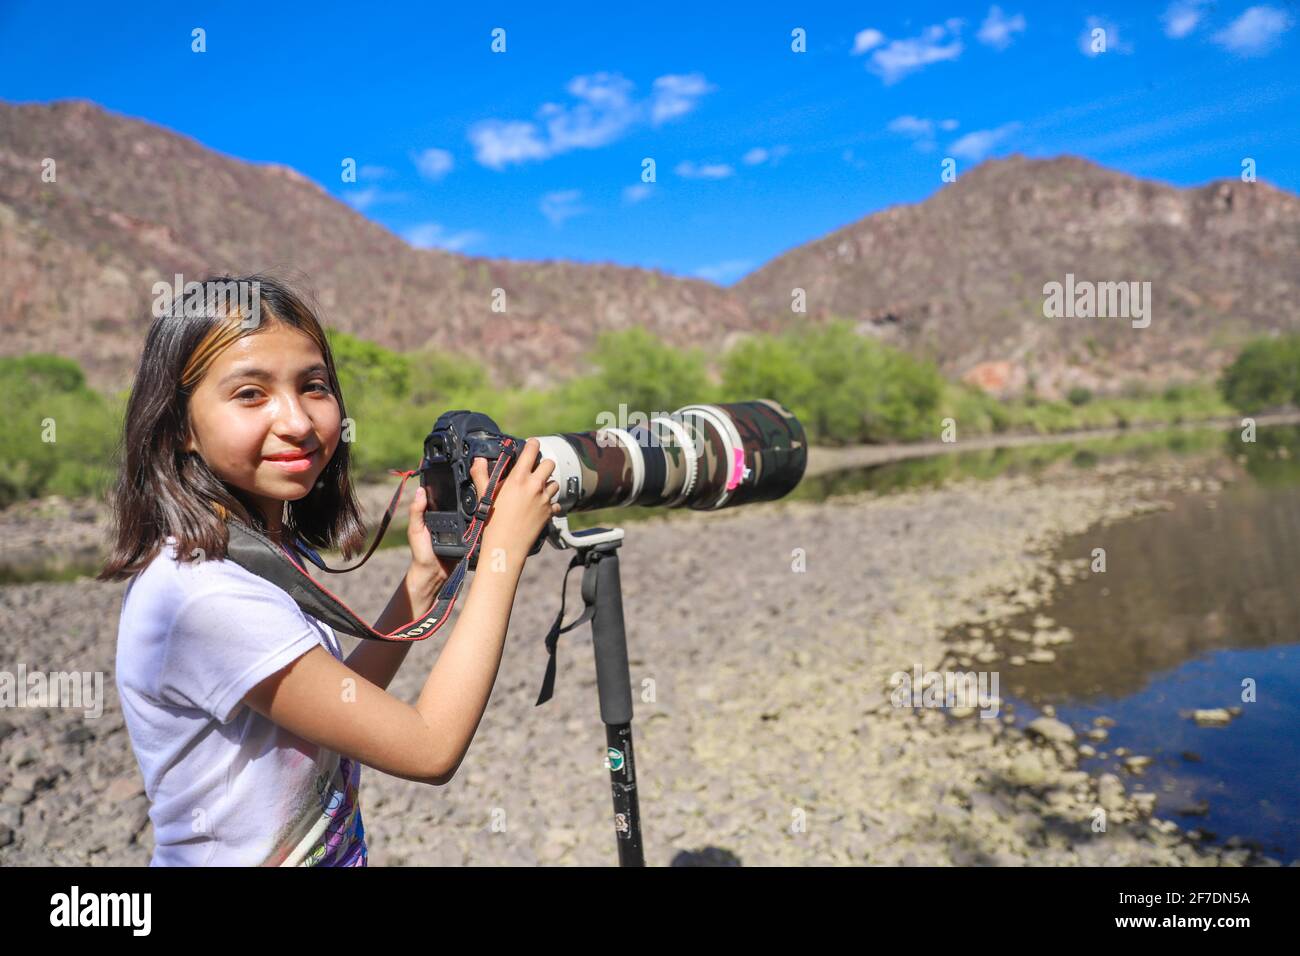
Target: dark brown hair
{"type": "Point", "coordinates": [161, 488]}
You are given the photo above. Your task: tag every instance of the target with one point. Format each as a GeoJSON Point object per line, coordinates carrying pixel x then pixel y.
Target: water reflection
{"type": "Point", "coordinates": [1198, 608]}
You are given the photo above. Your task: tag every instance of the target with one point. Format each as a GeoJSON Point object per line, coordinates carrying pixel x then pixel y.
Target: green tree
{"type": "Point", "coordinates": [59, 435]}
{"type": "Point", "coordinates": [367, 370]}
{"type": "Point", "coordinates": [1265, 374]}
{"type": "Point", "coordinates": [42, 374]}
{"type": "Point", "coordinates": [844, 387]}
{"type": "Point", "coordinates": [636, 369]}
{"type": "Point", "coordinates": [435, 375]}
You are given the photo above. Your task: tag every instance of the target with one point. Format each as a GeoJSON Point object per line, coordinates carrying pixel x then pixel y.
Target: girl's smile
{"type": "Point", "coordinates": [293, 460]}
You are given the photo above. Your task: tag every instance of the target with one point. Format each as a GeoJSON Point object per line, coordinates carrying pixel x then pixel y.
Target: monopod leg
{"type": "Point", "coordinates": [613, 684]}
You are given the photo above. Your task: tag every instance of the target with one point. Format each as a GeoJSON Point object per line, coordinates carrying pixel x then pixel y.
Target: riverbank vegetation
{"type": "Point", "coordinates": [845, 388]}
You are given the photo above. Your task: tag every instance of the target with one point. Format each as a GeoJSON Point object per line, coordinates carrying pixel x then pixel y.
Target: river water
{"type": "Point", "coordinates": [1198, 608]}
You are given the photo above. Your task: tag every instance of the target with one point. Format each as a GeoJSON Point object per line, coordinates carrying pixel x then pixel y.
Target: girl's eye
{"type": "Point", "coordinates": [248, 394]}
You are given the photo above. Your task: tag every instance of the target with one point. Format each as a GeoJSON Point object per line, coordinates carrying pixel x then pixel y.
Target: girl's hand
{"type": "Point", "coordinates": [428, 570]}
{"type": "Point", "coordinates": [417, 535]}
{"type": "Point", "coordinates": [522, 507]}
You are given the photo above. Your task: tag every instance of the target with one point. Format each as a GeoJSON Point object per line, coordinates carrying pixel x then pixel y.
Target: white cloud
{"type": "Point", "coordinates": [497, 143]}
{"type": "Point", "coordinates": [759, 155]}
{"type": "Point", "coordinates": [722, 272]}
{"type": "Point", "coordinates": [602, 114]}
{"type": "Point", "coordinates": [1109, 34]}
{"type": "Point", "coordinates": [689, 169]}
{"type": "Point", "coordinates": [1254, 32]}
{"type": "Point", "coordinates": [434, 163]}
{"type": "Point", "coordinates": [603, 90]}
{"type": "Point", "coordinates": [900, 57]}
{"type": "Point", "coordinates": [636, 193]}
{"type": "Point", "coordinates": [997, 28]}
{"type": "Point", "coordinates": [676, 95]}
{"type": "Point", "coordinates": [432, 235]}
{"type": "Point", "coordinates": [911, 126]}
{"type": "Point", "coordinates": [561, 205]}
{"type": "Point", "coordinates": [605, 109]}
{"type": "Point", "coordinates": [920, 131]}
{"type": "Point", "coordinates": [1182, 16]}
{"type": "Point", "coordinates": [976, 145]}
{"type": "Point", "coordinates": [866, 40]}
{"type": "Point", "coordinates": [363, 199]}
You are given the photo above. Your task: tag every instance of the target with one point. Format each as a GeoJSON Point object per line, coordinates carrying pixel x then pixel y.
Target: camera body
{"type": "Point", "coordinates": [458, 438]}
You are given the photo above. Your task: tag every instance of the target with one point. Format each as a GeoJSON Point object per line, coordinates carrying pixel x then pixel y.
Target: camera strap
{"type": "Point", "coordinates": [255, 552]}
{"type": "Point", "coordinates": [553, 635]}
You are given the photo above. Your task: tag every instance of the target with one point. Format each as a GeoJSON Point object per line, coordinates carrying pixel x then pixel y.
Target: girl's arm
{"type": "Point", "coordinates": [379, 662]}
{"type": "Point", "coordinates": [321, 699]}
{"type": "Point", "coordinates": [424, 743]}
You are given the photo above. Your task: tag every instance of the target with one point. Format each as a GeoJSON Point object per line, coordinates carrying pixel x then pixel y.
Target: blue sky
{"type": "Point", "coordinates": [536, 152]}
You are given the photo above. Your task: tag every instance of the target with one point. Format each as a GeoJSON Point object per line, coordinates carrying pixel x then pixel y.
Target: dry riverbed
{"type": "Point", "coordinates": [764, 728]}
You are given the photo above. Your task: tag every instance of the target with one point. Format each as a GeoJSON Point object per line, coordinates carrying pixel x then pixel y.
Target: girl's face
{"type": "Point", "coordinates": [264, 418]}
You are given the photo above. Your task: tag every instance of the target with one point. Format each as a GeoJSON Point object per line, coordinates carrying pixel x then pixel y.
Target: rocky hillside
{"type": "Point", "coordinates": [958, 277]}
{"type": "Point", "coordinates": [134, 203]}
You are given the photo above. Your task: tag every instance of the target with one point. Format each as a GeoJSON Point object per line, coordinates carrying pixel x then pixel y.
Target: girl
{"type": "Point", "coordinates": [248, 723]}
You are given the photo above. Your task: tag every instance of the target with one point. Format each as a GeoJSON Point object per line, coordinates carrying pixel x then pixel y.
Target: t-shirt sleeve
{"type": "Point", "coordinates": [224, 642]}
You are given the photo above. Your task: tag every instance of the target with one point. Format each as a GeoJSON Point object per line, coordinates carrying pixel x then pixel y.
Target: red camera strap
{"type": "Point", "coordinates": [259, 554]}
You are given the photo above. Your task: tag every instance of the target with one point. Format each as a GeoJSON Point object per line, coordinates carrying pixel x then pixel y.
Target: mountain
{"type": "Point", "coordinates": [134, 203]}
{"type": "Point", "coordinates": [958, 278]}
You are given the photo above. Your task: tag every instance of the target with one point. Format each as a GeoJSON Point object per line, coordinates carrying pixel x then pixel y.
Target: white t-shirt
{"type": "Point", "coordinates": [227, 786]}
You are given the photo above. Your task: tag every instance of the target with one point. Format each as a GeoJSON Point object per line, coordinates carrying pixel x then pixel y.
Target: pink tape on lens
{"type": "Point", "coordinates": [737, 468]}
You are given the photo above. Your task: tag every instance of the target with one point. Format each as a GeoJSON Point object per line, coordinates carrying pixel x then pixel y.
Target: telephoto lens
{"type": "Point", "coordinates": [701, 456]}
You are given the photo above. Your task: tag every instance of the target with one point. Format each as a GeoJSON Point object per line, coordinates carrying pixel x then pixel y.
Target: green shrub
{"type": "Point", "coordinates": [59, 436]}
{"type": "Point", "coordinates": [974, 410]}
{"type": "Point", "coordinates": [40, 373]}
{"type": "Point", "coordinates": [435, 375]}
{"type": "Point", "coordinates": [636, 369]}
{"type": "Point", "coordinates": [367, 370]}
{"type": "Point", "coordinates": [1265, 374]}
{"type": "Point", "coordinates": [842, 386]}
{"type": "Point", "coordinates": [394, 399]}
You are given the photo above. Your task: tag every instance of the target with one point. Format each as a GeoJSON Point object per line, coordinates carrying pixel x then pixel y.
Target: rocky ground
{"type": "Point", "coordinates": [765, 733]}
{"type": "Point", "coordinates": [45, 538]}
